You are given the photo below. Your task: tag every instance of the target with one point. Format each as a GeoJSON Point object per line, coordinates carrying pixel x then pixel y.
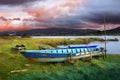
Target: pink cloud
{"type": "Point", "coordinates": [61, 9]}
{"type": "Point", "coordinates": [43, 11]}
{"type": "Point", "coordinates": [8, 25]}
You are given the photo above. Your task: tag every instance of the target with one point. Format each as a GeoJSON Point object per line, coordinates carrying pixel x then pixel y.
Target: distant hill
{"type": "Point", "coordinates": [114, 31]}
{"type": "Point", "coordinates": [61, 31]}
{"type": "Point", "coordinates": [51, 31]}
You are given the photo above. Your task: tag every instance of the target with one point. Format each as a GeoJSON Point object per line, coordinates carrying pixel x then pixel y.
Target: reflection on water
{"type": "Point", "coordinates": [113, 47]}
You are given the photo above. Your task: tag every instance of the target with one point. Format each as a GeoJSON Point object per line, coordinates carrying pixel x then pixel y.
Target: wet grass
{"type": "Point", "coordinates": [96, 69]}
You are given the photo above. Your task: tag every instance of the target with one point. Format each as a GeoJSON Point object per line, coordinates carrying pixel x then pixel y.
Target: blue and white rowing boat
{"type": "Point", "coordinates": [76, 46]}
{"type": "Point", "coordinates": [62, 55]}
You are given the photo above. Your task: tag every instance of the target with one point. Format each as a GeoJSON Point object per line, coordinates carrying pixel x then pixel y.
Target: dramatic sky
{"type": "Point", "coordinates": [75, 14]}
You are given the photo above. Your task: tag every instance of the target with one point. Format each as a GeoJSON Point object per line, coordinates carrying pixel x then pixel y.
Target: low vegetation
{"type": "Point", "coordinates": [7, 37]}
{"type": "Point", "coordinates": [11, 61]}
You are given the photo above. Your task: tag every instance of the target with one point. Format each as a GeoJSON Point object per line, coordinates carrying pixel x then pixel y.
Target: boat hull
{"type": "Point", "coordinates": [62, 59]}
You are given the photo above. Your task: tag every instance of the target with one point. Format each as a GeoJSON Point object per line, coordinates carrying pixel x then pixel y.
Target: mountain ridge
{"type": "Point", "coordinates": [60, 31]}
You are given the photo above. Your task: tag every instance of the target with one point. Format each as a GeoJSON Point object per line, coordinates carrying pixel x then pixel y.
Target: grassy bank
{"type": "Point", "coordinates": [32, 43]}
{"type": "Point", "coordinates": [81, 70]}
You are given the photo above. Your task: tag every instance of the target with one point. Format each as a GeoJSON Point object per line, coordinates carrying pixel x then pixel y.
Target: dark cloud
{"type": "Point", "coordinates": [15, 2]}
{"type": "Point", "coordinates": [99, 18]}
{"type": "Point", "coordinates": [95, 11]}
{"type": "Point", "coordinates": [70, 22]}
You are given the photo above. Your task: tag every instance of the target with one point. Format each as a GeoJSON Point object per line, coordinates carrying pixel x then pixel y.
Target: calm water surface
{"type": "Point", "coordinates": [113, 47]}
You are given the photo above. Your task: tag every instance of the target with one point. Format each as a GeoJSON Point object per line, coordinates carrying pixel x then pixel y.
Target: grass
{"type": "Point", "coordinates": [96, 69]}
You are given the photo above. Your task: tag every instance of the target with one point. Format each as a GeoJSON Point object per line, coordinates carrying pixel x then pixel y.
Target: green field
{"type": "Point", "coordinates": [96, 69]}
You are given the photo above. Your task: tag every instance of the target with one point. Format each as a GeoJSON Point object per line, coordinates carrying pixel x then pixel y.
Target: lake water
{"type": "Point", "coordinates": [113, 47]}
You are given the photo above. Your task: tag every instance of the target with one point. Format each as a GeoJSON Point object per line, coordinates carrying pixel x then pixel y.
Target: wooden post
{"type": "Point", "coordinates": [105, 37]}
{"type": "Point", "coordinates": [70, 58]}
{"type": "Point", "coordinates": [90, 55]}
{"type": "Point", "coordinates": [103, 54]}
{"type": "Point", "coordinates": [70, 55]}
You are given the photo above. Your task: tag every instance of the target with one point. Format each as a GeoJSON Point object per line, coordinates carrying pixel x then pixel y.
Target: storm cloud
{"type": "Point", "coordinates": [97, 9]}
{"type": "Point", "coordinates": [75, 14]}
